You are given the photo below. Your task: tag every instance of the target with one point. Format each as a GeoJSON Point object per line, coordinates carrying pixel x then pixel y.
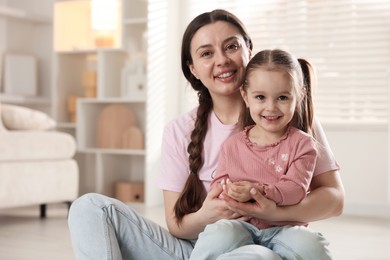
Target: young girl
{"type": "Point", "coordinates": [269, 154]}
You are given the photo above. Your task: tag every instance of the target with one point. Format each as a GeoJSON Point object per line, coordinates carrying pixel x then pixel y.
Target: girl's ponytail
{"type": "Point", "coordinates": [305, 122]}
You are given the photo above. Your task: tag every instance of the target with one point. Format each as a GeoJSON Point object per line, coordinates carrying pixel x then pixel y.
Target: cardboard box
{"type": "Point", "coordinates": [89, 78]}
{"type": "Point", "coordinates": [129, 191]}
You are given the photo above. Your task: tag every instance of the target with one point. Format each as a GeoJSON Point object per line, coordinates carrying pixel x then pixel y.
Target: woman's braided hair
{"type": "Point", "coordinates": [194, 193]}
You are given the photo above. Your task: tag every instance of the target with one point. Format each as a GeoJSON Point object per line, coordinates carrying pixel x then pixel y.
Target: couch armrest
{"type": "Point", "coordinates": [36, 145]}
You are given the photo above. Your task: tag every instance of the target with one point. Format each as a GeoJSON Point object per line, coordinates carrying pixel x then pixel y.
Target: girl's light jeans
{"type": "Point", "coordinates": [289, 242]}
{"type": "Point", "coordinates": [105, 228]}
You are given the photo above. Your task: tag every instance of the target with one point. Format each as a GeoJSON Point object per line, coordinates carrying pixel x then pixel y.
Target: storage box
{"type": "Point", "coordinates": [89, 79]}
{"type": "Point", "coordinates": [72, 109]}
{"type": "Point", "coordinates": [90, 92]}
{"type": "Point", "coordinates": [129, 191]}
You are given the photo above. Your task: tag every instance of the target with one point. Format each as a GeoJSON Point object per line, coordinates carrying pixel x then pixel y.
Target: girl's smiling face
{"type": "Point", "coordinates": [271, 99]}
{"type": "Point", "coordinates": [219, 56]}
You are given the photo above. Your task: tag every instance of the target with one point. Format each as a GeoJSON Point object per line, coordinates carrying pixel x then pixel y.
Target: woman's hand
{"type": "Point", "coordinates": [214, 208]}
{"type": "Point", "coordinates": [261, 208]}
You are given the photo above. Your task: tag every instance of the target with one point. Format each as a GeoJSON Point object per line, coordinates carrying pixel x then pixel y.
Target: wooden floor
{"type": "Point", "coordinates": [23, 235]}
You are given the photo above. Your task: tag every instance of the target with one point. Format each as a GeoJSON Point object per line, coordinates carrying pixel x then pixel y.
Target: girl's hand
{"type": "Point", "coordinates": [239, 190]}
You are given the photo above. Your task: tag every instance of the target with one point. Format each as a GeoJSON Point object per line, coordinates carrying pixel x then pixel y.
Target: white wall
{"type": "Point", "coordinates": [164, 88]}
{"type": "Point", "coordinates": [363, 157]}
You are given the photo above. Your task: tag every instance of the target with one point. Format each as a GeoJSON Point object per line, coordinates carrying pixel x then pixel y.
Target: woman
{"type": "Point", "coordinates": [215, 51]}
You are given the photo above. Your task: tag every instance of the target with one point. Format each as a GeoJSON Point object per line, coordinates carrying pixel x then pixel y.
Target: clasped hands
{"type": "Point", "coordinates": [247, 199]}
{"type": "Point", "coordinates": [240, 191]}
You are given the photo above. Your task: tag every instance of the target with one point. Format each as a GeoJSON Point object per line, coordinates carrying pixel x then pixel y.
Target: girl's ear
{"type": "Point", "coordinates": [244, 96]}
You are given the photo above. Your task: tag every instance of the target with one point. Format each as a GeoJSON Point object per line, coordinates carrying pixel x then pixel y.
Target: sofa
{"type": "Point", "coordinates": [36, 162]}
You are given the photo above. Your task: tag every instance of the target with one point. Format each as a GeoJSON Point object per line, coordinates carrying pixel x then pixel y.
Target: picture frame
{"type": "Point", "coordinates": [20, 74]}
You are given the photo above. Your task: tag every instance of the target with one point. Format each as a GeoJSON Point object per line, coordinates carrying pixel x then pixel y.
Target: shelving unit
{"type": "Point", "coordinates": [27, 30]}
{"type": "Point", "coordinates": [100, 168]}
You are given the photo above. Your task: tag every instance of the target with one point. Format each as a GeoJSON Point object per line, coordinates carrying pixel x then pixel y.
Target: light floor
{"type": "Point", "coordinates": [23, 235]}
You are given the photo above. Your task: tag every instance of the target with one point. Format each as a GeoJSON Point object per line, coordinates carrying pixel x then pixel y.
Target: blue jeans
{"type": "Point", "coordinates": [105, 228]}
{"type": "Point", "coordinates": [289, 242]}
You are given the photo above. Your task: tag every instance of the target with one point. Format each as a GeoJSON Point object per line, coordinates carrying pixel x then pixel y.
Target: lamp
{"type": "Point", "coordinates": [104, 21]}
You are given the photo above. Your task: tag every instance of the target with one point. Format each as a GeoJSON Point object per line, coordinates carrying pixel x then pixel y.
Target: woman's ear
{"type": "Point", "coordinates": [192, 69]}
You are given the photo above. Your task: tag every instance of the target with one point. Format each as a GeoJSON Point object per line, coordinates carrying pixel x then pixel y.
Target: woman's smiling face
{"type": "Point", "coordinates": [219, 56]}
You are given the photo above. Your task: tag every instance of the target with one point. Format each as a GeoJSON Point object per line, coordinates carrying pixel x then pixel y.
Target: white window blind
{"type": "Point", "coordinates": [348, 42]}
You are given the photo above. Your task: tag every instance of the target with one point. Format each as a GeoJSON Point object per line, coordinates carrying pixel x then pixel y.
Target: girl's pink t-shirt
{"type": "Point", "coordinates": [174, 167]}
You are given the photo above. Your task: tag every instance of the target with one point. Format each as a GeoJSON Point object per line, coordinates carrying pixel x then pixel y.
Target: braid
{"type": "Point", "coordinates": [192, 196]}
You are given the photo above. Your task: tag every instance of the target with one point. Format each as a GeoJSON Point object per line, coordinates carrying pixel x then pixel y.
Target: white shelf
{"type": "Point", "coordinates": [132, 21]}
{"type": "Point", "coordinates": [113, 151]}
{"type": "Point", "coordinates": [118, 100]}
{"type": "Point", "coordinates": [9, 12]}
{"type": "Point", "coordinates": [25, 100]}
{"type": "Point", "coordinates": [90, 51]}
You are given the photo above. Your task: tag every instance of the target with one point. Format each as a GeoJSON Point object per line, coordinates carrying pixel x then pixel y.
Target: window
{"type": "Point", "coordinates": [348, 42]}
